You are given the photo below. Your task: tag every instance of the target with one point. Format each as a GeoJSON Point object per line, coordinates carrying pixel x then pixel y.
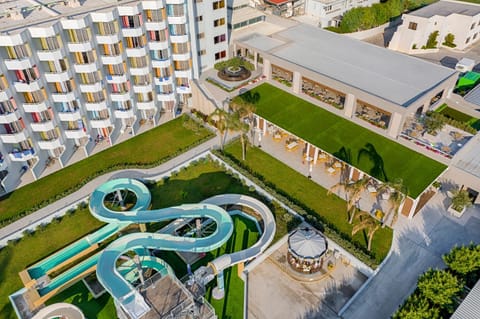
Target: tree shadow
{"type": "Point", "coordinates": [250, 97]}
{"type": "Point", "coordinates": [378, 168]}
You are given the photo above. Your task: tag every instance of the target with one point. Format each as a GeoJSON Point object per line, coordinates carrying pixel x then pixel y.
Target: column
{"type": "Point", "coordinates": [349, 106]}
{"type": "Point", "coordinates": [394, 127]}
{"type": "Point", "coordinates": [307, 151]}
{"type": "Point", "coordinates": [297, 82]}
{"type": "Point", "coordinates": [219, 291]}
{"type": "Point", "coordinates": [267, 69]}
{"type": "Point", "coordinates": [315, 156]}
{"type": "Point", "coordinates": [255, 59]}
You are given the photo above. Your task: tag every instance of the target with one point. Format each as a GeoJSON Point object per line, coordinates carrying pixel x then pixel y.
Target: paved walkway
{"type": "Point", "coordinates": [87, 189]}
{"type": "Point", "coordinates": [418, 245]}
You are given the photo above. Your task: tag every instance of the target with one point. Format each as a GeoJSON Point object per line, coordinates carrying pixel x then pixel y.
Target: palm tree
{"type": "Point", "coordinates": [245, 108]}
{"type": "Point", "coordinates": [460, 199]}
{"type": "Point", "coordinates": [397, 193]}
{"type": "Point", "coordinates": [237, 124]}
{"type": "Point", "coordinates": [220, 119]}
{"type": "Point", "coordinates": [353, 191]}
{"type": "Point", "coordinates": [366, 223]}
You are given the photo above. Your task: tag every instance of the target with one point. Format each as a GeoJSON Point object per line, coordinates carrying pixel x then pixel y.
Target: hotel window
{"type": "Point", "coordinates": [199, 18]}
{"type": "Point", "coordinates": [50, 43]}
{"type": "Point", "coordinates": [144, 97]}
{"type": "Point", "coordinates": [182, 82]}
{"type": "Point", "coordinates": [201, 35]}
{"type": "Point", "coordinates": [8, 106]}
{"type": "Point", "coordinates": [162, 73]}
{"type": "Point", "coordinates": [35, 97]}
{"type": "Point", "coordinates": [328, 8]}
{"type": "Point", "coordinates": [50, 135]}
{"type": "Point", "coordinates": [141, 79]}
{"type": "Point", "coordinates": [28, 75]}
{"type": "Point", "coordinates": [220, 55]}
{"type": "Point", "coordinates": [120, 87]}
{"type": "Point", "coordinates": [219, 38]}
{"type": "Point", "coordinates": [175, 10]}
{"type": "Point", "coordinates": [219, 22]}
{"type": "Point", "coordinates": [202, 52]}
{"type": "Point", "coordinates": [475, 36]}
{"type": "Point", "coordinates": [94, 97]}
{"type": "Point", "coordinates": [136, 42]}
{"type": "Point", "coordinates": [157, 36]}
{"type": "Point", "coordinates": [117, 69]}
{"type": "Point", "coordinates": [3, 83]}
{"type": "Point", "coordinates": [55, 66]}
{"type": "Point", "coordinates": [85, 57]}
{"type": "Point", "coordinates": [14, 127]}
{"type": "Point", "coordinates": [19, 51]}
{"type": "Point", "coordinates": [138, 62]}
{"type": "Point", "coordinates": [218, 4]}
{"type": "Point", "coordinates": [181, 65]}
{"type": "Point", "coordinates": [131, 21]}
{"type": "Point", "coordinates": [89, 78]}
{"type": "Point", "coordinates": [468, 40]}
{"type": "Point", "coordinates": [180, 48]}
{"type": "Point", "coordinates": [155, 15]}
{"type": "Point", "coordinates": [79, 35]}
{"type": "Point", "coordinates": [412, 26]}
{"type": "Point", "coordinates": [112, 49]}
{"type": "Point", "coordinates": [473, 26]}
{"type": "Point", "coordinates": [106, 28]}
{"type": "Point", "coordinates": [177, 29]}
{"type": "Point", "coordinates": [62, 87]}
{"type": "Point", "coordinates": [44, 116]}
{"type": "Point", "coordinates": [159, 55]}
{"type": "Point", "coordinates": [165, 89]}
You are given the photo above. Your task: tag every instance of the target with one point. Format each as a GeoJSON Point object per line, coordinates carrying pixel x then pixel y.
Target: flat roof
{"type": "Point", "coordinates": [245, 14]}
{"type": "Point", "coordinates": [446, 8]}
{"type": "Point", "coordinates": [390, 75]}
{"type": "Point", "coordinates": [468, 159]}
{"type": "Point", "coordinates": [473, 96]}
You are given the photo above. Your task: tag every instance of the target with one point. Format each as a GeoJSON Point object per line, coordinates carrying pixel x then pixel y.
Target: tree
{"type": "Point", "coordinates": [460, 199]}
{"type": "Point", "coordinates": [368, 224]}
{"type": "Point", "coordinates": [353, 191]}
{"type": "Point", "coordinates": [237, 124]}
{"type": "Point", "coordinates": [433, 124]}
{"type": "Point", "coordinates": [221, 120]}
{"type": "Point", "coordinates": [463, 260]}
{"type": "Point", "coordinates": [440, 287]}
{"type": "Point", "coordinates": [417, 307]}
{"type": "Point", "coordinates": [449, 40]}
{"type": "Point", "coordinates": [377, 170]}
{"type": "Point", "coordinates": [397, 193]}
{"type": "Point", "coordinates": [245, 106]}
{"type": "Point", "coordinates": [432, 40]}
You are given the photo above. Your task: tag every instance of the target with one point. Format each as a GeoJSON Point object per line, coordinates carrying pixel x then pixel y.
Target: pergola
{"type": "Point", "coordinates": [306, 248]}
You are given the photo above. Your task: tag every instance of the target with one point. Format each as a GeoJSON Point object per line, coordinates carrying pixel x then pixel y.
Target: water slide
{"type": "Point", "coordinates": [59, 310]}
{"type": "Point", "coordinates": [111, 278]}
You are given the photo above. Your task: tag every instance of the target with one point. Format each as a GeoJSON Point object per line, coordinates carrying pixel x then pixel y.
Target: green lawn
{"type": "Point", "coordinates": [339, 136]}
{"type": "Point", "coordinates": [145, 150]}
{"type": "Point", "coordinates": [459, 116]}
{"type": "Point", "coordinates": [309, 193]}
{"type": "Point", "coordinates": [190, 185]}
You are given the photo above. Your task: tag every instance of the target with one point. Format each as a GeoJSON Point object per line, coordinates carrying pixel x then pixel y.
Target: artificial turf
{"type": "Point", "coordinates": [339, 136]}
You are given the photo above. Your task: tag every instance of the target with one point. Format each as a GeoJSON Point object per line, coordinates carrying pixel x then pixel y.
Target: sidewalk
{"type": "Point", "coordinates": [87, 189]}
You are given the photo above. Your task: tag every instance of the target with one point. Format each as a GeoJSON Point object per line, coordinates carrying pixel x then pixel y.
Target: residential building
{"type": "Point", "coordinates": [329, 12]}
{"type": "Point", "coordinates": [77, 74]}
{"type": "Point", "coordinates": [284, 8]}
{"type": "Point", "coordinates": [459, 20]}
{"type": "Point", "coordinates": [240, 14]}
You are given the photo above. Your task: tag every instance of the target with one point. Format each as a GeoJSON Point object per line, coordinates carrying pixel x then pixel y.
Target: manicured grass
{"type": "Point", "coordinates": [78, 294]}
{"type": "Point", "coordinates": [190, 185]}
{"type": "Point", "coordinates": [337, 135]}
{"type": "Point", "coordinates": [309, 193]}
{"type": "Point", "coordinates": [145, 150]}
{"type": "Point", "coordinates": [459, 116]}
{"type": "Point", "coordinates": [30, 249]}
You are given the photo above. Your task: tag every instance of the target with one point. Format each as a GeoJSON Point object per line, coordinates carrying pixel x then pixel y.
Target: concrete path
{"type": "Point", "coordinates": [87, 189]}
{"type": "Point", "coordinates": [418, 245]}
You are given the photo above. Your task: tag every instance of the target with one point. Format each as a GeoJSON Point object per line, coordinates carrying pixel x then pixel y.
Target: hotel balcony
{"type": "Point", "coordinates": [142, 88]}
{"type": "Point", "coordinates": [154, 26]}
{"type": "Point", "coordinates": [27, 87]}
{"type": "Point", "coordinates": [116, 78]}
{"type": "Point", "coordinates": [78, 133]}
{"type": "Point", "coordinates": [52, 55]}
{"type": "Point", "coordinates": [146, 105]}
{"type": "Point", "coordinates": [132, 32]}
{"type": "Point", "coordinates": [163, 81]}
{"type": "Point", "coordinates": [34, 107]}
{"type": "Point", "coordinates": [63, 97]}
{"type": "Point", "coordinates": [166, 97]}
{"type": "Point", "coordinates": [79, 47]}
{"type": "Point", "coordinates": [42, 127]}
{"type": "Point", "coordinates": [124, 114]}
{"type": "Point", "coordinates": [184, 89]}
{"type": "Point", "coordinates": [101, 123]}
{"type": "Point", "coordinates": [181, 57]}
{"type": "Point", "coordinates": [96, 106]}
{"type": "Point", "coordinates": [4, 96]}
{"type": "Point", "coordinates": [179, 38]}
{"type": "Point", "coordinates": [177, 20]}
{"type": "Point", "coordinates": [96, 87]}
{"type": "Point", "coordinates": [140, 71]}
{"type": "Point", "coordinates": [121, 97]}
{"type": "Point", "coordinates": [184, 74]}
{"type": "Point", "coordinates": [57, 77]}
{"type": "Point", "coordinates": [13, 138]}
{"type": "Point", "coordinates": [174, 1]}
{"type": "Point", "coordinates": [162, 45]}
{"type": "Point", "coordinates": [21, 156]}
{"type": "Point", "coordinates": [8, 118]}
{"type": "Point", "coordinates": [50, 145]}
{"type": "Point", "coordinates": [69, 116]}
{"type": "Point", "coordinates": [136, 52]}
{"type": "Point", "coordinates": [161, 63]}
{"type": "Point", "coordinates": [112, 60]}
{"type": "Point", "coordinates": [86, 68]}
{"type": "Point", "coordinates": [18, 64]}
{"type": "Point", "coordinates": [108, 39]}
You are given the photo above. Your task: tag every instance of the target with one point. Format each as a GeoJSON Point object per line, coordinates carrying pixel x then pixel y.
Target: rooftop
{"type": "Point", "coordinates": [446, 8]}
{"type": "Point", "coordinates": [467, 159]}
{"type": "Point", "coordinates": [390, 75]}
{"type": "Point", "coordinates": [469, 307]}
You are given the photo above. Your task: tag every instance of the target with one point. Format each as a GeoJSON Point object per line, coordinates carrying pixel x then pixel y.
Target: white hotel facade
{"type": "Point", "coordinates": [75, 74]}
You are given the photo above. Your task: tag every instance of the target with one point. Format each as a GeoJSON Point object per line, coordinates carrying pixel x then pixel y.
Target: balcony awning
{"type": "Point", "coordinates": [277, 2]}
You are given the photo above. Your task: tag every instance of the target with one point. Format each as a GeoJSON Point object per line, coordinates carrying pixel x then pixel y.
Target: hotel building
{"type": "Point", "coordinates": [76, 75]}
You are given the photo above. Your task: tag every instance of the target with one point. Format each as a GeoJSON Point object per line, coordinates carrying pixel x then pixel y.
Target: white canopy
{"type": "Point", "coordinates": [307, 243]}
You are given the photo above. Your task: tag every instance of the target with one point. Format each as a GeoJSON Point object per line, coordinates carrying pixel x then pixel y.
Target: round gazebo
{"type": "Point", "coordinates": [306, 248]}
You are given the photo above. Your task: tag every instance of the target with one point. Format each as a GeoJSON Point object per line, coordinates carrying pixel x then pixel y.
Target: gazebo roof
{"type": "Point", "coordinates": [307, 243]}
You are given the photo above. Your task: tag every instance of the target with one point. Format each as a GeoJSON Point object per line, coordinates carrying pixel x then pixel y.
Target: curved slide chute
{"type": "Point", "coordinates": [130, 299]}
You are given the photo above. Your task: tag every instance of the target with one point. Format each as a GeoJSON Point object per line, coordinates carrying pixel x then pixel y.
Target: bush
{"type": "Point", "coordinates": [234, 62]}
{"type": "Point", "coordinates": [449, 38]}
{"type": "Point", "coordinates": [432, 40]}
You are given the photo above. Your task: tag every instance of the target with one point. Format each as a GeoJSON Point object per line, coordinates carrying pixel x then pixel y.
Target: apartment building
{"type": "Point", "coordinates": [459, 20]}
{"type": "Point", "coordinates": [329, 12]}
{"type": "Point", "coordinates": [76, 74]}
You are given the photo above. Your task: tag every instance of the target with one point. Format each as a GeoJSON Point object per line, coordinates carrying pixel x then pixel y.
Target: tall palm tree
{"type": "Point", "coordinates": [237, 124]}
{"type": "Point", "coordinates": [366, 223]}
{"type": "Point", "coordinates": [397, 193]}
{"type": "Point", "coordinates": [245, 107]}
{"type": "Point", "coordinates": [353, 192]}
{"type": "Point", "coordinates": [220, 119]}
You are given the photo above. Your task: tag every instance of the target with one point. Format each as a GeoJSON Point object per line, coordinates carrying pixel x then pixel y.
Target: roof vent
{"type": "Point", "coordinates": [14, 13]}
